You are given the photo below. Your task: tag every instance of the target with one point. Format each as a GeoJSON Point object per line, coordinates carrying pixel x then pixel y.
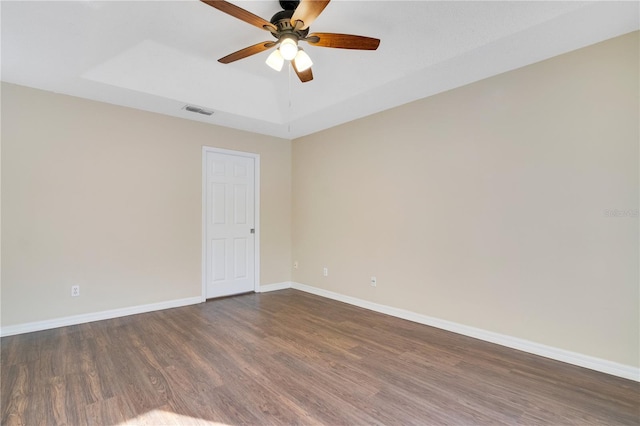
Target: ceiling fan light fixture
{"type": "Point", "coordinates": [288, 48]}
{"type": "Point", "coordinates": [289, 26]}
{"type": "Point", "coordinates": [275, 60]}
{"type": "Point", "coordinates": [303, 61]}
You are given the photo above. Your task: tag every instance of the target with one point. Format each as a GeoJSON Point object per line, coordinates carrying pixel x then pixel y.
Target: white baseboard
{"type": "Point", "coordinates": [593, 363]}
{"type": "Point", "coordinates": [29, 327]}
{"type": "Point", "coordinates": [95, 316]}
{"type": "Point", "coordinates": [275, 286]}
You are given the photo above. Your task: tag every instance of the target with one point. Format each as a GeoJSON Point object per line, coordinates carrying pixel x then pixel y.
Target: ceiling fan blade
{"type": "Point", "coordinates": [240, 13]}
{"type": "Point", "coordinates": [247, 51]}
{"type": "Point", "coordinates": [343, 41]}
{"type": "Point", "coordinates": [305, 75]}
{"type": "Point", "coordinates": [307, 12]}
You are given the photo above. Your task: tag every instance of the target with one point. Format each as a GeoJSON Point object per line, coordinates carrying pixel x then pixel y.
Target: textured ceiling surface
{"type": "Point", "coordinates": [161, 55]}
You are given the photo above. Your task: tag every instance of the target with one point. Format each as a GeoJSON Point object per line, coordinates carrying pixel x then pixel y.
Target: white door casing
{"type": "Point", "coordinates": [230, 222]}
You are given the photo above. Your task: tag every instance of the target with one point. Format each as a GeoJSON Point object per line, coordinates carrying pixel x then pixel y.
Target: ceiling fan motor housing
{"type": "Point", "coordinates": [282, 21]}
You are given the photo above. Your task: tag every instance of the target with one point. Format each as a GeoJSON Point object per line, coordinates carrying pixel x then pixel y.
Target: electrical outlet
{"type": "Point", "coordinates": [325, 271]}
{"type": "Point", "coordinates": [374, 282]}
{"type": "Point", "coordinates": [295, 265]}
{"type": "Point", "coordinates": [75, 290]}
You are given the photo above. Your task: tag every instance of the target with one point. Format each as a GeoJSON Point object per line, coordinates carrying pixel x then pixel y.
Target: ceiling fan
{"type": "Point", "coordinates": [290, 26]}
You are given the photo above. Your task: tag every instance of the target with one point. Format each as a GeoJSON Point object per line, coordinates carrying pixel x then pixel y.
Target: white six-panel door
{"type": "Point", "coordinates": [229, 217]}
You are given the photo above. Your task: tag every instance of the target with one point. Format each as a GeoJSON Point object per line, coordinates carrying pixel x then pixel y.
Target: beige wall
{"type": "Point", "coordinates": [110, 198]}
{"type": "Point", "coordinates": [485, 205]}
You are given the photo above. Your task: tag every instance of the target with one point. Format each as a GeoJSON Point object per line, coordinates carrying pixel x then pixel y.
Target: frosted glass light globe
{"type": "Point", "coordinates": [303, 61]}
{"type": "Point", "coordinates": [275, 60]}
{"type": "Point", "coordinates": [288, 48]}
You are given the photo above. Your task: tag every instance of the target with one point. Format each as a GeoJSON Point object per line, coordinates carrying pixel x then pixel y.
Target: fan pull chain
{"type": "Point", "coordinates": [289, 112]}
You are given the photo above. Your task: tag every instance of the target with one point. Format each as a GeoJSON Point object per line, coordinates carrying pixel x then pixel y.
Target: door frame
{"type": "Point", "coordinates": [256, 204]}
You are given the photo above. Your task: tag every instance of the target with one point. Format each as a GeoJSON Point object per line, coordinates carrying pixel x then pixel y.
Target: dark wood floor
{"type": "Point", "coordinates": [291, 358]}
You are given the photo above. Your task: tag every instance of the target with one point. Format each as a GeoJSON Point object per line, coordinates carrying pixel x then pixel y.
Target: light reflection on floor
{"type": "Point", "coordinates": [159, 417]}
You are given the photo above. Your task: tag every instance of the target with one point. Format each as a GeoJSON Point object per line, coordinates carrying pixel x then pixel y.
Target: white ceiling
{"type": "Point", "coordinates": [160, 55]}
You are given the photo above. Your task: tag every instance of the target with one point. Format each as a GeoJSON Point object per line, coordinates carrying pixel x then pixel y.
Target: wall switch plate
{"type": "Point", "coordinates": [295, 265]}
{"type": "Point", "coordinates": [325, 271]}
{"type": "Point", "coordinates": [374, 282]}
{"type": "Point", "coordinates": [75, 290]}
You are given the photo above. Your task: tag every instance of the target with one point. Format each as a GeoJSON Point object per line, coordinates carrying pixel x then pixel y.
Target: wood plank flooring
{"type": "Point", "coordinates": [289, 357]}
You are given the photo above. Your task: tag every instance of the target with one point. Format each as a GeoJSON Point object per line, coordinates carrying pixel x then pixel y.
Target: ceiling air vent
{"type": "Point", "coordinates": [199, 110]}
